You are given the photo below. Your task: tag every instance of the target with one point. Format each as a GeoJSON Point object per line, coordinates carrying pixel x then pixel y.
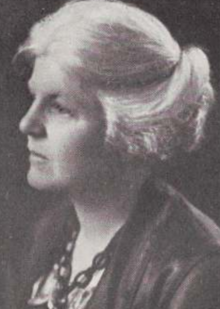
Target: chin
{"type": "Point", "coordinates": [49, 180]}
{"type": "Point", "coordinates": [39, 184]}
{"type": "Point", "coordinates": [42, 182]}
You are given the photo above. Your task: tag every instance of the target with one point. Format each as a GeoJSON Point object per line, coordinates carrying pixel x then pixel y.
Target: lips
{"type": "Point", "coordinates": [37, 155]}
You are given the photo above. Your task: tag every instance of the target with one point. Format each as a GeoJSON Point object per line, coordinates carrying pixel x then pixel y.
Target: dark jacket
{"type": "Point", "coordinates": [167, 256]}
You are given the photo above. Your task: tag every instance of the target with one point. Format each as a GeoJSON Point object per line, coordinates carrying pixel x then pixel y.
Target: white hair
{"type": "Point", "coordinates": [155, 95]}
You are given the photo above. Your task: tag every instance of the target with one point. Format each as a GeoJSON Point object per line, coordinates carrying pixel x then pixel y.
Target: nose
{"type": "Point", "coordinates": [32, 122]}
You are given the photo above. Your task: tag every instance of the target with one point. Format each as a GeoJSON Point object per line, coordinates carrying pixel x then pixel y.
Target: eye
{"type": "Point", "coordinates": [57, 108]}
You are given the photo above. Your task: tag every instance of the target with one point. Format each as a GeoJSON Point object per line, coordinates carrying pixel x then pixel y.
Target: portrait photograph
{"type": "Point", "coordinates": [109, 154]}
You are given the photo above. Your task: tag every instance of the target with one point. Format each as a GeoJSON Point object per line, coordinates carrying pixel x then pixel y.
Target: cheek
{"type": "Point", "coordinates": [79, 146]}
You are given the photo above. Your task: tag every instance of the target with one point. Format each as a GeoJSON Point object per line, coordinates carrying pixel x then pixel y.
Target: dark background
{"type": "Point", "coordinates": [197, 176]}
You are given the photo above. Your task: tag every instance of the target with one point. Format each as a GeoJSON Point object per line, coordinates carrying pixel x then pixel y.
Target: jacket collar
{"type": "Point", "coordinates": [132, 247]}
{"type": "Point", "coordinates": [51, 234]}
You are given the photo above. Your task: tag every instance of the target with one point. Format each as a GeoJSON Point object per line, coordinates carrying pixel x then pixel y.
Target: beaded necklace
{"type": "Point", "coordinates": [63, 270]}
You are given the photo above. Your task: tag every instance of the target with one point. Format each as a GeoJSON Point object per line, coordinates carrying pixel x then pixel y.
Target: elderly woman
{"type": "Point", "coordinates": [113, 94]}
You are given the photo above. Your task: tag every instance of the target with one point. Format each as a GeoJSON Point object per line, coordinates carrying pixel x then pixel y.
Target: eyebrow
{"type": "Point", "coordinates": [47, 97]}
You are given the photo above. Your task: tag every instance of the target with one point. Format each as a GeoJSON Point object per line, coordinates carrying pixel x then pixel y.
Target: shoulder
{"type": "Point", "coordinates": [178, 230]}
{"type": "Point", "coordinates": [200, 288]}
{"type": "Point", "coordinates": [196, 251]}
{"type": "Point", "coordinates": [183, 268]}
{"type": "Point", "coordinates": [185, 225]}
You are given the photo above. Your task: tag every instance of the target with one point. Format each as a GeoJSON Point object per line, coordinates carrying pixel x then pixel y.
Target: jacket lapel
{"type": "Point", "coordinates": [132, 249]}
{"type": "Point", "coordinates": [132, 254]}
{"type": "Point", "coordinates": [49, 238]}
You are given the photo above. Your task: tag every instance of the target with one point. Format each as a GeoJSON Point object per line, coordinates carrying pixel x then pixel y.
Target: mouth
{"type": "Point", "coordinates": [37, 155]}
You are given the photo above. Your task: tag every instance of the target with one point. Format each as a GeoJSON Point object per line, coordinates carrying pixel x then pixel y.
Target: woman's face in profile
{"type": "Point", "coordinates": [65, 137]}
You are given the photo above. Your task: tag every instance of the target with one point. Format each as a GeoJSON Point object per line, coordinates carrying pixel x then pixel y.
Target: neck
{"type": "Point", "coordinates": [102, 214]}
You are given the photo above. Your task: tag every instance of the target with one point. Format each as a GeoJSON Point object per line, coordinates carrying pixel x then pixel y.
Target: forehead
{"type": "Point", "coordinates": [51, 77]}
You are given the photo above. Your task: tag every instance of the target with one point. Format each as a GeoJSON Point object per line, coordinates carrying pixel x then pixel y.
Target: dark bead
{"type": "Point", "coordinates": [83, 278]}
{"type": "Point", "coordinates": [100, 261]}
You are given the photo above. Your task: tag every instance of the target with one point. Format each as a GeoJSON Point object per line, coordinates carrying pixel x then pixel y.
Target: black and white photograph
{"type": "Point", "coordinates": [109, 154]}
